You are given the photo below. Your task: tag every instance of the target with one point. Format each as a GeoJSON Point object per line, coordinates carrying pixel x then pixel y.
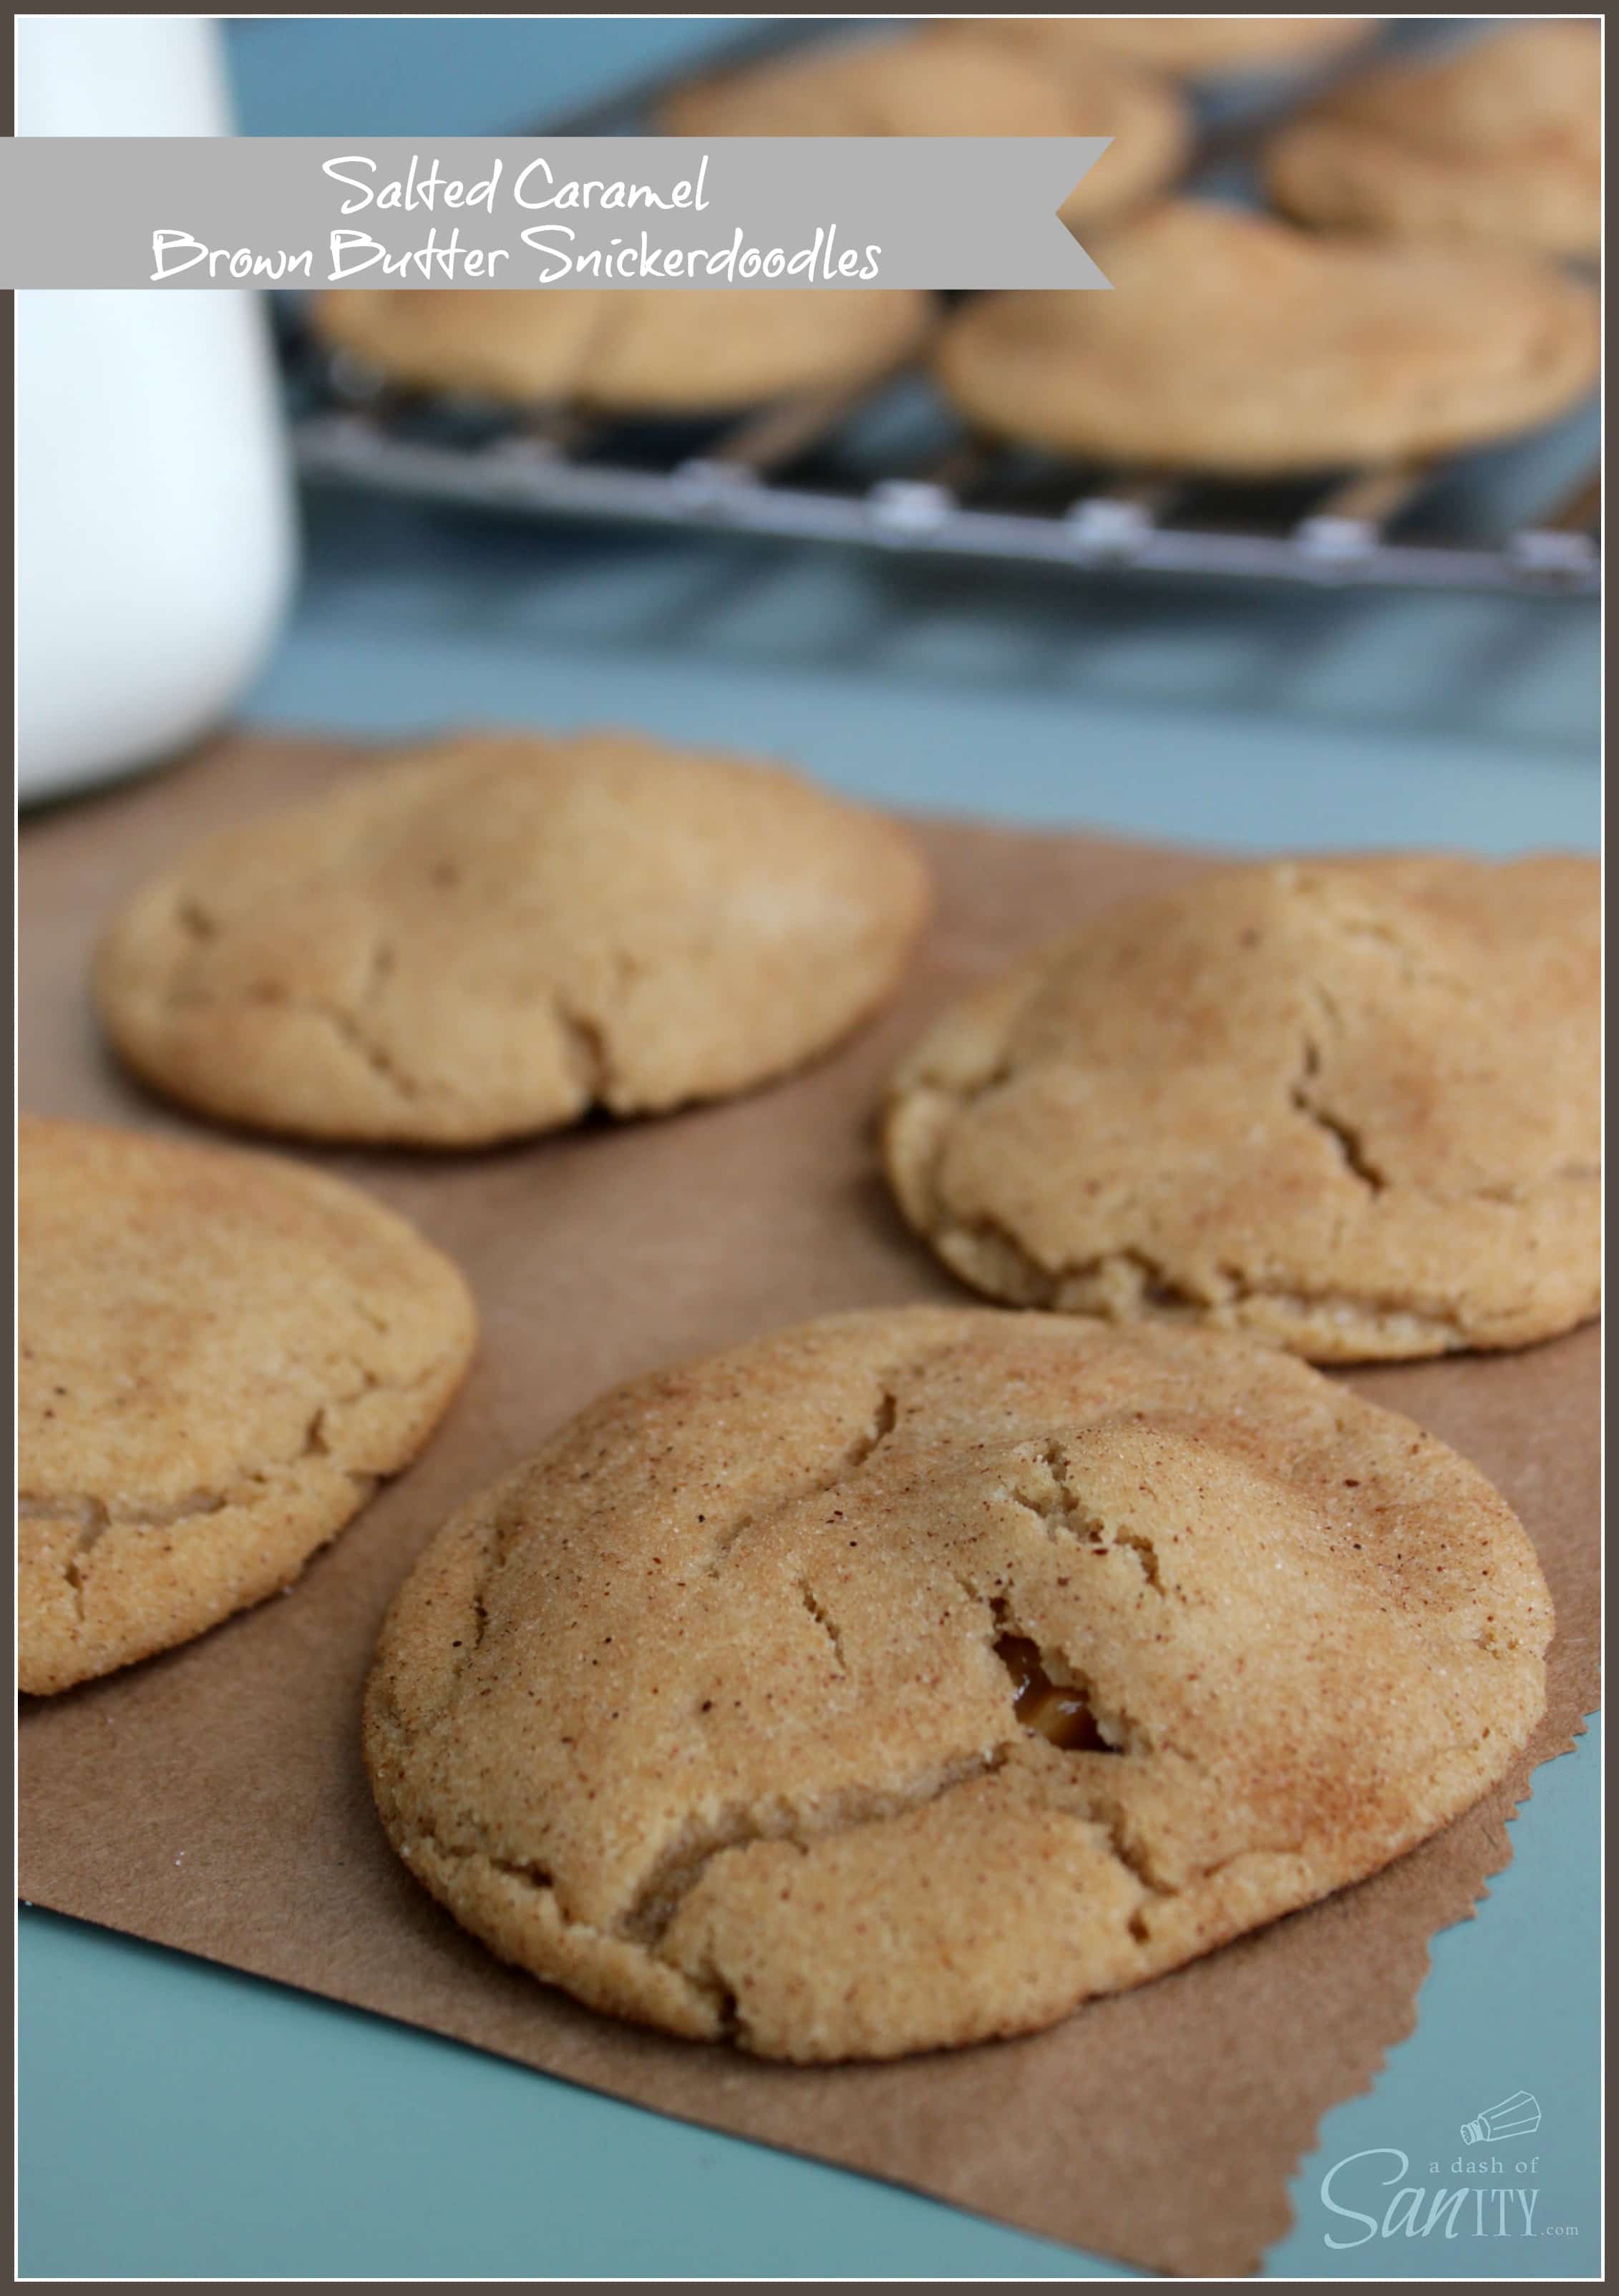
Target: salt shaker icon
{"type": "Point", "coordinates": [1518, 2115]}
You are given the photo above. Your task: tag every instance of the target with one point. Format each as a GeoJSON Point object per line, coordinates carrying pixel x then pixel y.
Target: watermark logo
{"type": "Point", "coordinates": [1491, 2191]}
{"type": "Point", "coordinates": [1517, 2115]}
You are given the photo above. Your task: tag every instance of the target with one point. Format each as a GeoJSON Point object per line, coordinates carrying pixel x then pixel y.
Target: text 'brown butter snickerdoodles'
{"type": "Point", "coordinates": [956, 78]}
{"type": "Point", "coordinates": [1239, 345]}
{"type": "Point", "coordinates": [627, 350]}
{"type": "Point", "coordinates": [1500, 142]}
{"type": "Point", "coordinates": [904, 1679]}
{"type": "Point", "coordinates": [1347, 1108]}
{"type": "Point", "coordinates": [488, 938]}
{"type": "Point", "coordinates": [220, 1356]}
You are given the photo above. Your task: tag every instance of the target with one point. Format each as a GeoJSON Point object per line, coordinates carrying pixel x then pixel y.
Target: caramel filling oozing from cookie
{"type": "Point", "coordinates": [1054, 1710]}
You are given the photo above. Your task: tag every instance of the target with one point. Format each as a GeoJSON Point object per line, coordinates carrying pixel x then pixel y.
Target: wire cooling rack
{"type": "Point", "coordinates": [890, 468]}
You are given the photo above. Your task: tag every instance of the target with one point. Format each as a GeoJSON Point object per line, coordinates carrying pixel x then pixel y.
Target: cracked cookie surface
{"type": "Point", "coordinates": [220, 1356]}
{"type": "Point", "coordinates": [1349, 1109]}
{"type": "Point", "coordinates": [903, 1680]}
{"type": "Point", "coordinates": [1500, 142]}
{"type": "Point", "coordinates": [491, 937]}
{"type": "Point", "coordinates": [1351, 349]}
{"type": "Point", "coordinates": [627, 350]}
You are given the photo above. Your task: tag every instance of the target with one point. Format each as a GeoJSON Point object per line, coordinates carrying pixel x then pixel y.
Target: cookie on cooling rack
{"type": "Point", "coordinates": [1189, 47]}
{"type": "Point", "coordinates": [690, 351]}
{"type": "Point", "coordinates": [956, 78]}
{"type": "Point", "coordinates": [1500, 142]}
{"type": "Point", "coordinates": [1232, 343]}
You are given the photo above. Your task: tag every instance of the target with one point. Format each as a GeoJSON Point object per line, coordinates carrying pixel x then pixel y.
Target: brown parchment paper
{"type": "Point", "coordinates": [213, 1799]}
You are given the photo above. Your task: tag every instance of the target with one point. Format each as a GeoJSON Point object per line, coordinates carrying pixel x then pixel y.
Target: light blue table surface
{"type": "Point", "coordinates": [178, 2119]}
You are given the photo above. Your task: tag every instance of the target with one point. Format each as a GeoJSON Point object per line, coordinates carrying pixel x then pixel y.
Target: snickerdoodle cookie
{"type": "Point", "coordinates": [1191, 48]}
{"type": "Point", "coordinates": [956, 78]}
{"type": "Point", "coordinates": [904, 1679]}
{"type": "Point", "coordinates": [488, 938]}
{"type": "Point", "coordinates": [692, 351]}
{"type": "Point", "coordinates": [220, 1356]}
{"type": "Point", "coordinates": [1500, 142]}
{"type": "Point", "coordinates": [1235, 344]}
{"type": "Point", "coordinates": [1349, 1108]}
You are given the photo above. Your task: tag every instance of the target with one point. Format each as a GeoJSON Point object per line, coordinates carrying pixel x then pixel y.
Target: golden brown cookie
{"type": "Point", "coordinates": [1500, 142]}
{"type": "Point", "coordinates": [904, 1679]}
{"type": "Point", "coordinates": [626, 350]}
{"type": "Point", "coordinates": [220, 1356]}
{"type": "Point", "coordinates": [1192, 48]}
{"type": "Point", "coordinates": [1349, 1108]}
{"type": "Point", "coordinates": [490, 937]}
{"type": "Point", "coordinates": [960, 78]}
{"type": "Point", "coordinates": [1235, 344]}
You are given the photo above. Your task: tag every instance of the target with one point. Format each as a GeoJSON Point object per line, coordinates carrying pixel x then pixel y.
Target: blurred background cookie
{"type": "Point", "coordinates": [487, 938]}
{"type": "Point", "coordinates": [1500, 142]}
{"type": "Point", "coordinates": [961, 78]}
{"type": "Point", "coordinates": [220, 1356]}
{"type": "Point", "coordinates": [904, 1679]}
{"type": "Point", "coordinates": [1232, 342]}
{"type": "Point", "coordinates": [1347, 1108]}
{"type": "Point", "coordinates": [627, 350]}
{"type": "Point", "coordinates": [1192, 48]}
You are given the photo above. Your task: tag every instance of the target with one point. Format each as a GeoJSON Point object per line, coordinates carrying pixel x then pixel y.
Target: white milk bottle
{"type": "Point", "coordinates": [155, 526]}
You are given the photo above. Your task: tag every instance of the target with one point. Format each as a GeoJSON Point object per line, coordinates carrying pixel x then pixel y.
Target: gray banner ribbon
{"type": "Point", "coordinates": [483, 211]}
